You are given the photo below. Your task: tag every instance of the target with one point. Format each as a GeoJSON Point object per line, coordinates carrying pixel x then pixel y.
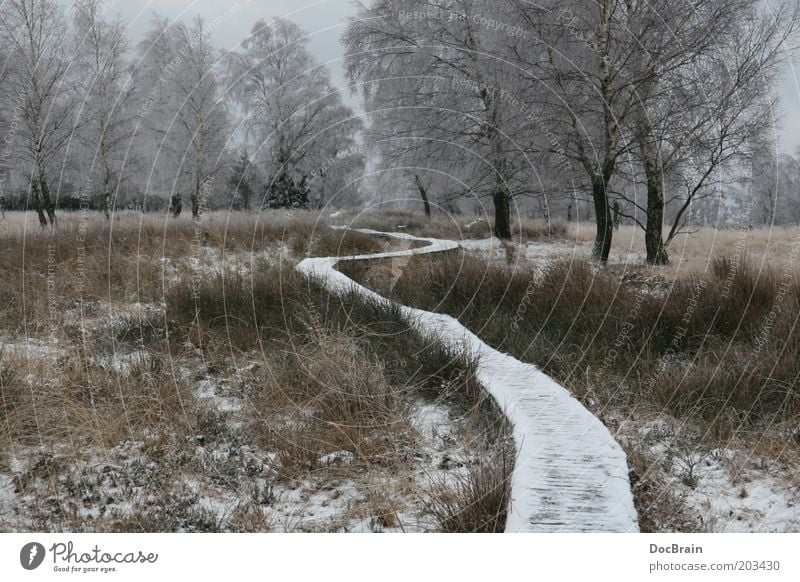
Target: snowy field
{"type": "Point", "coordinates": [193, 454]}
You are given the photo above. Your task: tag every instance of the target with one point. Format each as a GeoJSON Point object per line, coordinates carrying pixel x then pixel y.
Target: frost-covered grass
{"type": "Point", "coordinates": [446, 226]}
{"type": "Point", "coordinates": [717, 356]}
{"type": "Point", "coordinates": [216, 389]}
{"type": "Point", "coordinates": [692, 251]}
{"type": "Point", "coordinates": [47, 272]}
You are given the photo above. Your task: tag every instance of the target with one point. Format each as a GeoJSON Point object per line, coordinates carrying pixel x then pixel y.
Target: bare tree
{"type": "Point", "coordinates": [443, 93]}
{"type": "Point", "coordinates": [575, 60]}
{"type": "Point", "coordinates": [702, 105]}
{"type": "Point", "coordinates": [38, 85]}
{"type": "Point", "coordinates": [678, 90]}
{"type": "Point", "coordinates": [295, 116]}
{"type": "Point", "coordinates": [108, 90]}
{"type": "Point", "coordinates": [183, 106]}
{"type": "Point", "coordinates": [201, 122]}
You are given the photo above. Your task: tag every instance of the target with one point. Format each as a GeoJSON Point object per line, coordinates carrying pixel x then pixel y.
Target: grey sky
{"type": "Point", "coordinates": [325, 20]}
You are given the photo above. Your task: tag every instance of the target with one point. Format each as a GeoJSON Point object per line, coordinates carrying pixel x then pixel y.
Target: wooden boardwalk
{"type": "Point", "coordinates": [570, 474]}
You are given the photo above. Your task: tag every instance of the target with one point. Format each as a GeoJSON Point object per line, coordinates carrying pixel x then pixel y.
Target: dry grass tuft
{"type": "Point", "coordinates": [79, 402]}
{"type": "Point", "coordinates": [476, 501]}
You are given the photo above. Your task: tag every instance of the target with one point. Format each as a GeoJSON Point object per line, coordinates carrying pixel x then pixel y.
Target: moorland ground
{"type": "Point", "coordinates": [173, 375]}
{"type": "Point", "coordinates": [694, 366]}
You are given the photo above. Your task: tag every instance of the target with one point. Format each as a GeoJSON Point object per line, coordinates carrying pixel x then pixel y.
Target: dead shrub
{"type": "Point", "coordinates": [81, 401]}
{"type": "Point", "coordinates": [578, 322]}
{"type": "Point", "coordinates": [475, 501]}
{"type": "Point", "coordinates": [336, 400]}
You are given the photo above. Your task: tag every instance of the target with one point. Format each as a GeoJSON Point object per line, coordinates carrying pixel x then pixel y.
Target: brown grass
{"type": "Point", "coordinates": [45, 273]}
{"type": "Point", "coordinates": [476, 502]}
{"type": "Point", "coordinates": [81, 403]}
{"type": "Point", "coordinates": [455, 227]}
{"type": "Point", "coordinates": [693, 252]}
{"type": "Point", "coordinates": [720, 353]}
{"type": "Point", "coordinates": [692, 348]}
{"type": "Point", "coordinates": [334, 374]}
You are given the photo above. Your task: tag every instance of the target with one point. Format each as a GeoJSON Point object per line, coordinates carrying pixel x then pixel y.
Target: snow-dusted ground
{"type": "Point", "coordinates": [539, 254]}
{"type": "Point", "coordinates": [570, 474]}
{"type": "Point", "coordinates": [221, 477]}
{"type": "Point", "coordinates": [754, 500]}
{"type": "Point", "coordinates": [730, 489]}
{"type": "Point", "coordinates": [218, 478]}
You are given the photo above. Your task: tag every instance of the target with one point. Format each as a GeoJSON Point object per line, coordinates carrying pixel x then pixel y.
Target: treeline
{"type": "Point", "coordinates": [90, 120]}
{"type": "Point", "coordinates": [559, 108]}
{"type": "Point", "coordinates": [661, 108]}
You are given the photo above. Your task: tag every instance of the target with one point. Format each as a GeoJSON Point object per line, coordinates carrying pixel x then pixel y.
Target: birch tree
{"type": "Point", "coordinates": [183, 107]}
{"type": "Point", "coordinates": [704, 100]}
{"type": "Point", "coordinates": [576, 61]}
{"type": "Point", "coordinates": [301, 129]}
{"type": "Point", "coordinates": [38, 85]}
{"type": "Point", "coordinates": [107, 88]}
{"type": "Point", "coordinates": [202, 121]}
{"type": "Point", "coordinates": [436, 74]}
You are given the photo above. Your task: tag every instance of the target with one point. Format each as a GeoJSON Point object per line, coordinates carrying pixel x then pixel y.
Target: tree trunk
{"type": "Point", "coordinates": [605, 226]}
{"type": "Point", "coordinates": [176, 205]}
{"type": "Point", "coordinates": [653, 237]}
{"type": "Point", "coordinates": [107, 197]}
{"type": "Point", "coordinates": [600, 181]}
{"type": "Point", "coordinates": [36, 199]}
{"type": "Point", "coordinates": [46, 201]}
{"type": "Point", "coordinates": [502, 215]}
{"type": "Point", "coordinates": [424, 194]}
{"type": "Point", "coordinates": [195, 198]}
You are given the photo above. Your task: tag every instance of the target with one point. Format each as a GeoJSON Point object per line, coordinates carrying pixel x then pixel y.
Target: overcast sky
{"type": "Point", "coordinates": [324, 20]}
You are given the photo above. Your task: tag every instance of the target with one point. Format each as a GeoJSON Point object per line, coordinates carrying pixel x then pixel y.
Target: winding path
{"type": "Point", "coordinates": [570, 474]}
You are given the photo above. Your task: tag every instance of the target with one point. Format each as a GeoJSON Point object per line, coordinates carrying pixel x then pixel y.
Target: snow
{"type": "Point", "coordinates": [759, 502]}
{"type": "Point", "coordinates": [7, 495]}
{"type": "Point", "coordinates": [533, 254]}
{"type": "Point", "coordinates": [205, 390]}
{"type": "Point", "coordinates": [122, 362]}
{"type": "Point", "coordinates": [433, 421]}
{"type": "Point", "coordinates": [31, 348]}
{"type": "Point", "coordinates": [475, 222]}
{"type": "Point", "coordinates": [570, 474]}
{"type": "Point", "coordinates": [731, 489]}
{"type": "Point", "coordinates": [336, 458]}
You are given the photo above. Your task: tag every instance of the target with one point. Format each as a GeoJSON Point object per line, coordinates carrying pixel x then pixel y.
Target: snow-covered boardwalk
{"type": "Point", "coordinates": [570, 474]}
